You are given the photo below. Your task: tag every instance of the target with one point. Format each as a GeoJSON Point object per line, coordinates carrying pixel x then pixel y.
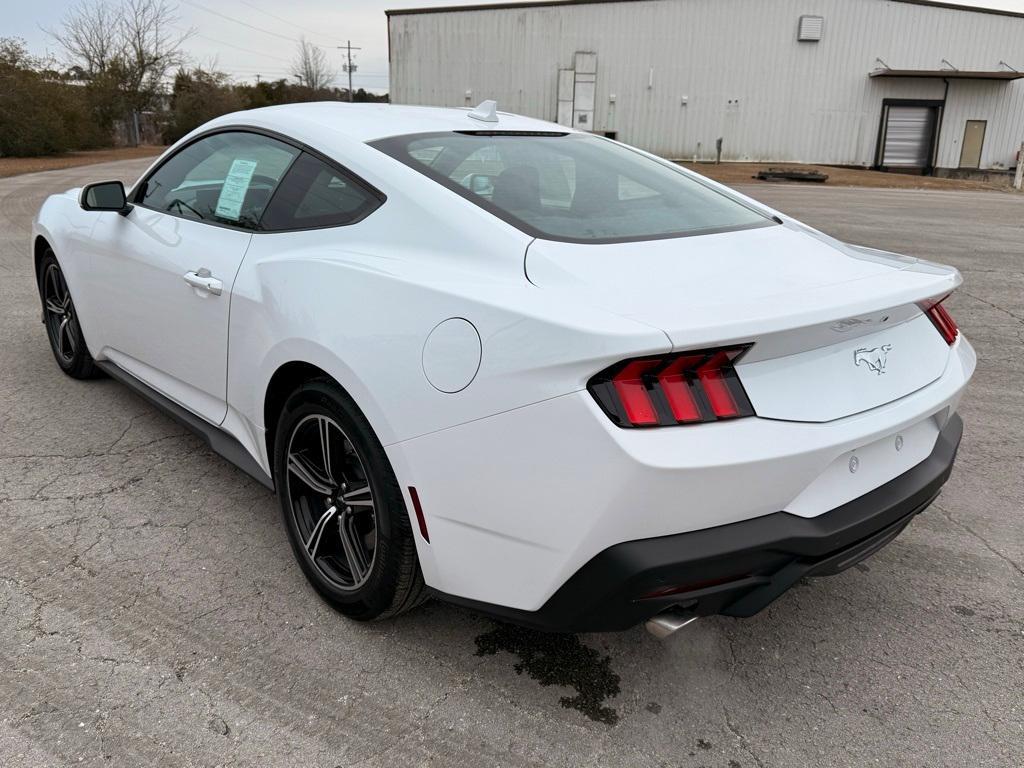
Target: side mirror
{"type": "Point", "coordinates": [104, 196]}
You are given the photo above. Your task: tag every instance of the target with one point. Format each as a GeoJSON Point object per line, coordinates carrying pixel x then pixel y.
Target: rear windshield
{"type": "Point", "coordinates": [572, 187]}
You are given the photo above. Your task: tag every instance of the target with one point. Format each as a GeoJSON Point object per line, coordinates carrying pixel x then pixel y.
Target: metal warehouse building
{"type": "Point", "coordinates": [896, 84]}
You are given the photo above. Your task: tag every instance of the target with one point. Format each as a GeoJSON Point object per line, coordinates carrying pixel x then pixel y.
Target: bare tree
{"type": "Point", "coordinates": [150, 45]}
{"type": "Point", "coordinates": [311, 68]}
{"type": "Point", "coordinates": [90, 36]}
{"type": "Point", "coordinates": [125, 51]}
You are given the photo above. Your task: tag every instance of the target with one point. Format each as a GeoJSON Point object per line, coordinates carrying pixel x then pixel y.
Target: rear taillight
{"type": "Point", "coordinates": [665, 390]}
{"type": "Point", "coordinates": [942, 320]}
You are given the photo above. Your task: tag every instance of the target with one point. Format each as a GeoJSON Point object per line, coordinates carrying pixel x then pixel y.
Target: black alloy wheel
{"type": "Point", "coordinates": [344, 511]}
{"type": "Point", "coordinates": [61, 320]}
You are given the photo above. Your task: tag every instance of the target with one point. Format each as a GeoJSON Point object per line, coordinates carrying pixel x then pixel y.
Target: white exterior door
{"type": "Point", "coordinates": [158, 327]}
{"type": "Point", "coordinates": [566, 85]}
{"type": "Point", "coordinates": [162, 275]}
{"type": "Point", "coordinates": [584, 91]}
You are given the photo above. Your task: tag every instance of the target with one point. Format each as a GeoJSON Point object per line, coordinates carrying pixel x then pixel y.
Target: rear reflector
{"type": "Point", "coordinates": [418, 509]}
{"type": "Point", "coordinates": [942, 320]}
{"type": "Point", "coordinates": [665, 390]}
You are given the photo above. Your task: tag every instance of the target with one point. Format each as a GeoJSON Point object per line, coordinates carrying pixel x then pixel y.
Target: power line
{"type": "Point", "coordinates": [239, 21]}
{"type": "Point", "coordinates": [240, 48]}
{"type": "Point", "coordinates": [247, 24]}
{"type": "Point", "coordinates": [279, 18]}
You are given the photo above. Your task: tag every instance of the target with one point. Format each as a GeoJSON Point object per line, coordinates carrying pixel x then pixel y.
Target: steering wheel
{"type": "Point", "coordinates": [260, 179]}
{"type": "Point", "coordinates": [179, 204]}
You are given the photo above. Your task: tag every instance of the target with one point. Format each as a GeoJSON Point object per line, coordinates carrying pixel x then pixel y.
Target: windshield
{"type": "Point", "coordinates": [572, 187]}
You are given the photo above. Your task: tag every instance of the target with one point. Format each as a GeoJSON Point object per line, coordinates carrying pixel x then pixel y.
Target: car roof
{"type": "Point", "coordinates": [366, 122]}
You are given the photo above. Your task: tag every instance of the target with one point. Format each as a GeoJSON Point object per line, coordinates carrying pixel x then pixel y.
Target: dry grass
{"type": "Point", "coordinates": [743, 173]}
{"type": "Point", "coordinates": [14, 166]}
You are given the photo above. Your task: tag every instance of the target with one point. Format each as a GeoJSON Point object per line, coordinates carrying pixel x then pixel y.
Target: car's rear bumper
{"type": "Point", "coordinates": [739, 568]}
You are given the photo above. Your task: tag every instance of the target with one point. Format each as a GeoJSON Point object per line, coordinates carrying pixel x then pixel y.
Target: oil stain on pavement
{"type": "Point", "coordinates": [553, 659]}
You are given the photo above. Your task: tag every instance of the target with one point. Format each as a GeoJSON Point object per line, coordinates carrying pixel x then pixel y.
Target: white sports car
{"type": "Point", "coordinates": [522, 368]}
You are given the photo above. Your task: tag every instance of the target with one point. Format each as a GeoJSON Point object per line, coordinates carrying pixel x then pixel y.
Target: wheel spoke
{"type": "Point", "coordinates": [54, 306]}
{"type": "Point", "coordinates": [355, 556]}
{"type": "Point", "coordinates": [360, 497]}
{"type": "Point", "coordinates": [69, 330]}
{"type": "Point", "coordinates": [300, 466]}
{"type": "Point", "coordinates": [60, 337]}
{"type": "Point", "coordinates": [62, 284]}
{"type": "Point", "coordinates": [325, 445]}
{"type": "Point", "coordinates": [313, 542]}
{"type": "Point", "coordinates": [54, 281]}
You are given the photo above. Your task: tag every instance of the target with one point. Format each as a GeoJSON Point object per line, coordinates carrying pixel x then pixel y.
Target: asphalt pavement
{"type": "Point", "coordinates": [151, 612]}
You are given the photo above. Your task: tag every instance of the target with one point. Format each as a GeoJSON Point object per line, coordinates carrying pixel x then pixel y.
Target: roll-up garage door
{"type": "Point", "coordinates": [908, 137]}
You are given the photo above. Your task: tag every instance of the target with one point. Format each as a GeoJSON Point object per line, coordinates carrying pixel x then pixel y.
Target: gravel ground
{"type": "Point", "coordinates": [151, 612]}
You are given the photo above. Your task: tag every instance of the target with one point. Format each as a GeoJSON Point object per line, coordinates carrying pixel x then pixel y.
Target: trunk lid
{"type": "Point", "coordinates": [835, 328]}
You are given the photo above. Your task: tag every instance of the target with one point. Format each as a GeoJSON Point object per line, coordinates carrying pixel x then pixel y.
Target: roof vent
{"type": "Point", "coordinates": [810, 29]}
{"type": "Point", "coordinates": [486, 112]}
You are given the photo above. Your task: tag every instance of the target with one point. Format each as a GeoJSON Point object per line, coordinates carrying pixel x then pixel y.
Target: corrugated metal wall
{"type": "Point", "coordinates": [744, 75]}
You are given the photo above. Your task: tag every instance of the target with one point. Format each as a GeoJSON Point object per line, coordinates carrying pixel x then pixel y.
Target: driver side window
{"type": "Point", "coordinates": [227, 178]}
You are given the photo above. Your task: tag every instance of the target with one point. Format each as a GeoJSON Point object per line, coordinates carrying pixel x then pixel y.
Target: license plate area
{"type": "Point", "coordinates": [860, 470]}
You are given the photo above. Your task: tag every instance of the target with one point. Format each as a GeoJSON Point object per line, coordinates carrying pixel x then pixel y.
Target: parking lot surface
{"type": "Point", "coordinates": [151, 612]}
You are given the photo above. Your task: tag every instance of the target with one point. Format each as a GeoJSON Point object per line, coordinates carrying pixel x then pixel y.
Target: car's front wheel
{"type": "Point", "coordinates": [61, 319]}
{"type": "Point", "coordinates": [342, 506]}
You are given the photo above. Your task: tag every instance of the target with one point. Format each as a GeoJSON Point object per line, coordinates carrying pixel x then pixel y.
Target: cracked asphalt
{"type": "Point", "coordinates": [151, 612]}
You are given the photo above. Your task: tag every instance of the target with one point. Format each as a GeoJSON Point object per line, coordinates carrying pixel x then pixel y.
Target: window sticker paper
{"type": "Point", "coordinates": [236, 185]}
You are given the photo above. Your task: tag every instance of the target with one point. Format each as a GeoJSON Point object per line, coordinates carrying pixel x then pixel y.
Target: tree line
{"type": "Point", "coordinates": [124, 78]}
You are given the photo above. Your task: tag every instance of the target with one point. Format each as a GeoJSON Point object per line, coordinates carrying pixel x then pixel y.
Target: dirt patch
{"type": "Point", "coordinates": [15, 166]}
{"type": "Point", "coordinates": [746, 173]}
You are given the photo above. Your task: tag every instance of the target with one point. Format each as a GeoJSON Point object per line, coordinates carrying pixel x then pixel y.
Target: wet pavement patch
{"type": "Point", "coordinates": [553, 659]}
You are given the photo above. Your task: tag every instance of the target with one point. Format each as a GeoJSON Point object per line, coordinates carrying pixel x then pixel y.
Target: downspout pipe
{"type": "Point", "coordinates": [942, 119]}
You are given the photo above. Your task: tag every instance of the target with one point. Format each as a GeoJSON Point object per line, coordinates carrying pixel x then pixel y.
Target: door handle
{"type": "Point", "coordinates": [204, 281]}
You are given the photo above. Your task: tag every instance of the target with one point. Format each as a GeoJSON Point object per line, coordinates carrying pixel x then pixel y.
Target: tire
{"type": "Point", "coordinates": [346, 517]}
{"type": "Point", "coordinates": [61, 320]}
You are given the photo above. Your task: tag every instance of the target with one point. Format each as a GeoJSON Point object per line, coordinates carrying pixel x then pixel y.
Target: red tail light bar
{"type": "Point", "coordinates": [666, 390]}
{"type": "Point", "coordinates": [942, 320]}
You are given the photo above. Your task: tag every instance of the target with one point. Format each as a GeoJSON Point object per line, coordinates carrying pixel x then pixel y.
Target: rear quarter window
{"type": "Point", "coordinates": [314, 194]}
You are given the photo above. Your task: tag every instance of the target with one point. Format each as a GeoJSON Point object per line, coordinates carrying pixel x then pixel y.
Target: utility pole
{"type": "Point", "coordinates": [348, 66]}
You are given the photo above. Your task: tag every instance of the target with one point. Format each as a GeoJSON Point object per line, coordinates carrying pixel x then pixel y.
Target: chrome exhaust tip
{"type": "Point", "coordinates": [669, 622]}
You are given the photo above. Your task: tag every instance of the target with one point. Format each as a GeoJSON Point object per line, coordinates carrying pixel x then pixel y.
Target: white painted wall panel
{"type": "Point", "coordinates": [1001, 106]}
{"type": "Point", "coordinates": [745, 76]}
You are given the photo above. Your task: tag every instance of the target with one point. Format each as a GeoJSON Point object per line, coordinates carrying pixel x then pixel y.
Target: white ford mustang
{"type": "Point", "coordinates": [523, 368]}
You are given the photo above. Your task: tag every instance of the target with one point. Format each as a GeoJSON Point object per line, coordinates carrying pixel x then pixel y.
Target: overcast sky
{"type": "Point", "coordinates": [250, 37]}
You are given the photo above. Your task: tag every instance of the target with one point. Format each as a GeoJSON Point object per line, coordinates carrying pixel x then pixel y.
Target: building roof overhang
{"type": "Point", "coordinates": [952, 74]}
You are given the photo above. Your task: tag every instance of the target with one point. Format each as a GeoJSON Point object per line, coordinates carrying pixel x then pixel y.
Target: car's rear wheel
{"type": "Point", "coordinates": [342, 506]}
{"type": "Point", "coordinates": [61, 319]}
